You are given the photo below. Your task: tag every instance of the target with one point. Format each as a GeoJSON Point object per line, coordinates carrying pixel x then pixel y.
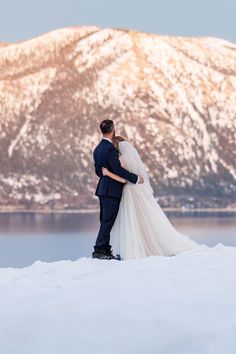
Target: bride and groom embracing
{"type": "Point", "coordinates": [130, 217]}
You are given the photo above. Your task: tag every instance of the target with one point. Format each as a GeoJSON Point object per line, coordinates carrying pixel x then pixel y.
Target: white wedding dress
{"type": "Point", "coordinates": [141, 228]}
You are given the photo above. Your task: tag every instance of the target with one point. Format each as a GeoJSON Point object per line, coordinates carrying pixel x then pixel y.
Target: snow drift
{"type": "Point", "coordinates": [183, 304]}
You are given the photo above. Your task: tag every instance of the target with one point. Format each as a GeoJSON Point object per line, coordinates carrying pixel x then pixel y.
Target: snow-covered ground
{"type": "Point", "coordinates": [184, 304]}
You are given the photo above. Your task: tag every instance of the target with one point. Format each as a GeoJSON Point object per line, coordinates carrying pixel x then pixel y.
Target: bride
{"type": "Point", "coordinates": [141, 228]}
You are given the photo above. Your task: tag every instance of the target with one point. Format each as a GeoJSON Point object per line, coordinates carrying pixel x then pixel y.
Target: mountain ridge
{"type": "Point", "coordinates": [173, 97]}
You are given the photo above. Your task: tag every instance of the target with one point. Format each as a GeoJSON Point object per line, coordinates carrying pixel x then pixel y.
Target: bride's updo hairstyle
{"type": "Point", "coordinates": [116, 140]}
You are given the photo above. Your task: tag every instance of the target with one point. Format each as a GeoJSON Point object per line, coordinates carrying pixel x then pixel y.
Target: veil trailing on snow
{"type": "Point", "coordinates": [134, 162]}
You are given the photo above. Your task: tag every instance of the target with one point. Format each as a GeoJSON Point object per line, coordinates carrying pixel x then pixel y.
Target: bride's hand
{"type": "Point", "coordinates": [105, 171]}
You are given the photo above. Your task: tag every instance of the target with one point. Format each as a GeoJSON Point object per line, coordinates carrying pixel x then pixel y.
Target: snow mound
{"type": "Point", "coordinates": [182, 304]}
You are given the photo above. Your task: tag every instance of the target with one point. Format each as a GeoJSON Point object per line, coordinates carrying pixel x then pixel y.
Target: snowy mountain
{"type": "Point", "coordinates": [173, 97]}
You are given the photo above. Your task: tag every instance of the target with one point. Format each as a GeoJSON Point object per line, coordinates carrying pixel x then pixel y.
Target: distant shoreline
{"type": "Point", "coordinates": [93, 211]}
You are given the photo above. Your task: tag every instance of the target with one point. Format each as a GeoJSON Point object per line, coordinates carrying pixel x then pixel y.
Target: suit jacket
{"type": "Point", "coordinates": [105, 155]}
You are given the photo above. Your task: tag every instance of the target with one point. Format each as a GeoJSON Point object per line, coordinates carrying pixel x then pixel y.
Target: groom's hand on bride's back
{"type": "Point", "coordinates": [140, 180]}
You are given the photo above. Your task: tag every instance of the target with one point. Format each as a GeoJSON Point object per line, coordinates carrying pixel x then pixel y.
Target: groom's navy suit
{"type": "Point", "coordinates": [108, 190]}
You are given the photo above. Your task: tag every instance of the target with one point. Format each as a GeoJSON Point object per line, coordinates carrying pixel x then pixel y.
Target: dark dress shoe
{"type": "Point", "coordinates": [102, 255]}
{"type": "Point", "coordinates": [118, 258]}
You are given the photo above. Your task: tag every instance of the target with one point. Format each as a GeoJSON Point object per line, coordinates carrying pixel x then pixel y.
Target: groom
{"type": "Point", "coordinates": [108, 190]}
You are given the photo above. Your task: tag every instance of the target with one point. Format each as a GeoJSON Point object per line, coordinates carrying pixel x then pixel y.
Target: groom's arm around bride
{"type": "Point", "coordinates": [114, 162]}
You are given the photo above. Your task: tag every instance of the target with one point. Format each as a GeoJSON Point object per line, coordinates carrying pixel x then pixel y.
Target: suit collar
{"type": "Point", "coordinates": [106, 139]}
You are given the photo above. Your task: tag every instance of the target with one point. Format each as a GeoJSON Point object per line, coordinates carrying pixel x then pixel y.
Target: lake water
{"type": "Point", "coordinates": [27, 237]}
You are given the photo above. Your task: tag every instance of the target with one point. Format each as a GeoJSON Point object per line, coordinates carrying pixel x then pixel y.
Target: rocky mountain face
{"type": "Point", "coordinates": [174, 98]}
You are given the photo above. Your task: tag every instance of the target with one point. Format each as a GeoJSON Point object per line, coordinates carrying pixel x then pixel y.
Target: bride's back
{"type": "Point", "coordinates": [133, 162]}
{"type": "Point", "coordinates": [130, 157]}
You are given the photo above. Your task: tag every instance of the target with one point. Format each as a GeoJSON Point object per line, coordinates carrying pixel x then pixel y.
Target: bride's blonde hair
{"type": "Point", "coordinates": [116, 140]}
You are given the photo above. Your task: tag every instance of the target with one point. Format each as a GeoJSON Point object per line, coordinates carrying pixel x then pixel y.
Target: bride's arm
{"type": "Point", "coordinates": [106, 172]}
{"type": "Point", "coordinates": [122, 162]}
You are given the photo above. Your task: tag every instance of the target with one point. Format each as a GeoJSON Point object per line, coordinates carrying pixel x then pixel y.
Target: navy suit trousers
{"type": "Point", "coordinates": [109, 207]}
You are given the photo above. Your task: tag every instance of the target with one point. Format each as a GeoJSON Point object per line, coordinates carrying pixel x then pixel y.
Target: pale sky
{"type": "Point", "coordinates": [24, 19]}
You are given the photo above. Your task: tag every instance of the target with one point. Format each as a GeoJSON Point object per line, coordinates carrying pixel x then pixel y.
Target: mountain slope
{"type": "Point", "coordinates": [173, 97]}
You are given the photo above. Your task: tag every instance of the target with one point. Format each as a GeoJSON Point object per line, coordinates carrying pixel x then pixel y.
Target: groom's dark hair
{"type": "Point", "coordinates": [106, 126]}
